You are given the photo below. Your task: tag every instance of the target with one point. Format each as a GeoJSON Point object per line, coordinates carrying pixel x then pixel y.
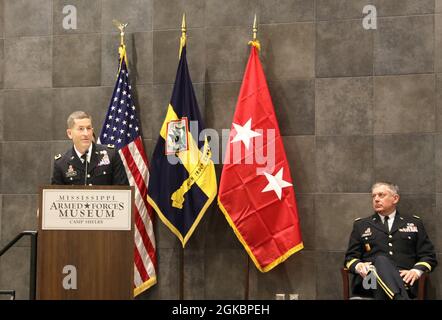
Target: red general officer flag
{"type": "Point", "coordinates": [256, 191]}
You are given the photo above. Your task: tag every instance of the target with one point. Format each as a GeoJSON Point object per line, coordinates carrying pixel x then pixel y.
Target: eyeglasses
{"type": "Point", "coordinates": [81, 129]}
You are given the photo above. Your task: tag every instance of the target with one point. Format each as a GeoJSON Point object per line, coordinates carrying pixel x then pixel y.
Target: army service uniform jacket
{"type": "Point", "coordinates": [407, 244]}
{"type": "Point", "coordinates": [105, 168]}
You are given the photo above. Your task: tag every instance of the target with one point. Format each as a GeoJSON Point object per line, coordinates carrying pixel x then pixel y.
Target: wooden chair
{"type": "Point", "coordinates": [346, 285]}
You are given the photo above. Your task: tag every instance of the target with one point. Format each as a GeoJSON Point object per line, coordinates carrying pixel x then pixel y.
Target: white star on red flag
{"type": "Point", "coordinates": [276, 183]}
{"type": "Point", "coordinates": [268, 228]}
{"type": "Point", "coordinates": [244, 133]}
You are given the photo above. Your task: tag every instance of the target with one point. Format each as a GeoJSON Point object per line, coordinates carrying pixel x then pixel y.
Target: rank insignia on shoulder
{"type": "Point", "coordinates": [112, 146]}
{"type": "Point", "coordinates": [58, 156]}
{"type": "Point", "coordinates": [357, 219]}
{"type": "Point", "coordinates": [417, 217]}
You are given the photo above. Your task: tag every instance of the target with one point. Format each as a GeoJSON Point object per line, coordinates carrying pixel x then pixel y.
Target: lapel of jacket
{"type": "Point", "coordinates": [75, 161]}
{"type": "Point", "coordinates": [377, 223]}
{"type": "Point", "coordinates": [95, 158]}
{"type": "Point", "coordinates": [398, 222]}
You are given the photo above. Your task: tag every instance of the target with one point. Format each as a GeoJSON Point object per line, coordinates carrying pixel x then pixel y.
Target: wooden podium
{"type": "Point", "coordinates": [85, 243]}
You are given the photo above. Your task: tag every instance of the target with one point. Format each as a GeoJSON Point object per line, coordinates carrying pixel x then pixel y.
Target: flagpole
{"type": "Point", "coordinates": [125, 135]}
{"type": "Point", "coordinates": [121, 27]}
{"type": "Point", "coordinates": [255, 28]}
{"type": "Point", "coordinates": [183, 34]}
{"type": "Point", "coordinates": [181, 272]}
{"type": "Point", "coordinates": [254, 42]}
{"type": "Point", "coordinates": [122, 48]}
{"type": "Point", "coordinates": [182, 44]}
{"type": "Point", "coordinates": [246, 289]}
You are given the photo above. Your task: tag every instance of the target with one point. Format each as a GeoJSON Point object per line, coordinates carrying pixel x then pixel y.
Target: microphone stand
{"type": "Point", "coordinates": [85, 172]}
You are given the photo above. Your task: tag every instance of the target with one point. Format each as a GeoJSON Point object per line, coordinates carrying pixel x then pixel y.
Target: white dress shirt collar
{"type": "Point", "coordinates": [88, 154]}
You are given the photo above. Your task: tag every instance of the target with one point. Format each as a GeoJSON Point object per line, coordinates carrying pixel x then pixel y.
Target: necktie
{"type": "Point", "coordinates": [84, 158]}
{"type": "Point", "coordinates": [386, 223]}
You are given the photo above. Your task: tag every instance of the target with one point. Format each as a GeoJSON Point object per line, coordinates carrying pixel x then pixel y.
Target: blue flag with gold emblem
{"type": "Point", "coordinates": [182, 184]}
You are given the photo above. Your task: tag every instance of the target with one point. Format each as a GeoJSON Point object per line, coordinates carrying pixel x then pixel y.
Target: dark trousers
{"type": "Point", "coordinates": [389, 282]}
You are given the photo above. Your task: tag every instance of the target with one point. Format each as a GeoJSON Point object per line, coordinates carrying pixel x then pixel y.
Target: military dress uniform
{"type": "Point", "coordinates": [406, 245]}
{"type": "Point", "coordinates": [105, 168]}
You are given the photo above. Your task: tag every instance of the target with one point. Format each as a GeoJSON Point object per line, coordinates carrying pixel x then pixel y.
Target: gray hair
{"type": "Point", "coordinates": [393, 188]}
{"type": "Point", "coordinates": [76, 115]}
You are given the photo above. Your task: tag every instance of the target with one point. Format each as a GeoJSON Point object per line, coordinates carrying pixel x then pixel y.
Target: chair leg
{"type": "Point", "coordinates": [345, 283]}
{"type": "Point", "coordinates": [421, 287]}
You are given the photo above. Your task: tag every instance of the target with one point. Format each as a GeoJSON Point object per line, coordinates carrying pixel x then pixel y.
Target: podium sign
{"type": "Point", "coordinates": [71, 209]}
{"type": "Point", "coordinates": [85, 243]}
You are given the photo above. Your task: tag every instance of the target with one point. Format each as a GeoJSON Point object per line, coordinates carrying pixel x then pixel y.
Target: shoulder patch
{"type": "Point", "coordinates": [112, 146]}
{"type": "Point", "coordinates": [357, 219]}
{"type": "Point", "coordinates": [417, 217]}
{"type": "Point", "coordinates": [58, 156]}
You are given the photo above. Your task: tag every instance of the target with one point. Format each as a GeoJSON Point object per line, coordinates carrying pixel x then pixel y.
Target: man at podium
{"type": "Point", "coordinates": [87, 163]}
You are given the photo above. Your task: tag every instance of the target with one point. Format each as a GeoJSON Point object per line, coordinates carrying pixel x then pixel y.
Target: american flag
{"type": "Point", "coordinates": [122, 129]}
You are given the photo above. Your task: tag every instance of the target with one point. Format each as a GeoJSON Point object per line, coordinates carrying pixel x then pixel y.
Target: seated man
{"type": "Point", "coordinates": [87, 163]}
{"type": "Point", "coordinates": [388, 252]}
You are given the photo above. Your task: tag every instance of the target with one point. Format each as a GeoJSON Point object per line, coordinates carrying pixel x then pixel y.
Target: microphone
{"type": "Point", "coordinates": [85, 168]}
